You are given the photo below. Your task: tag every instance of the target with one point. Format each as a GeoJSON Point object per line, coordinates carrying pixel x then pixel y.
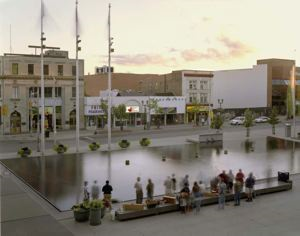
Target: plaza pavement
{"type": "Point", "coordinates": [23, 212]}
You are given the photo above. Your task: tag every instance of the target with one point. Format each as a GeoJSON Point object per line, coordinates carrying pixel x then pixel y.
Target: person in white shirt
{"type": "Point", "coordinates": [139, 191]}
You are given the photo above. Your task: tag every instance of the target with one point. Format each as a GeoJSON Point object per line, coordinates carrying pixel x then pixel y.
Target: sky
{"type": "Point", "coordinates": [158, 36]}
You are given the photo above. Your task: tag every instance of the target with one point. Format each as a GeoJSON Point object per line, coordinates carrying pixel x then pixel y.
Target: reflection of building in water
{"type": "Point", "coordinates": [20, 91]}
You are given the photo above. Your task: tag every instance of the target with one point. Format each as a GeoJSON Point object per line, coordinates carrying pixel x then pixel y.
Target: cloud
{"type": "Point", "coordinates": [230, 49]}
{"type": "Point", "coordinates": [143, 59]}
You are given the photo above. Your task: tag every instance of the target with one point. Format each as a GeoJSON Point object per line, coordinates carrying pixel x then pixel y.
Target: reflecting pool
{"type": "Point", "coordinates": [59, 179]}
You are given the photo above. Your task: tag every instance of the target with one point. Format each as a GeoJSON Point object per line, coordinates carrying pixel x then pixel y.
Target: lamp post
{"type": "Point", "coordinates": [54, 109]}
{"type": "Point", "coordinates": [77, 81]}
{"type": "Point", "coordinates": [110, 50]}
{"type": "Point", "coordinates": [145, 114]}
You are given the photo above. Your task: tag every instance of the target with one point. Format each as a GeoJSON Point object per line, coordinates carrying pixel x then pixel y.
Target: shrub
{"type": "Point", "coordinates": [124, 143]}
{"type": "Point", "coordinates": [94, 146]}
{"type": "Point", "coordinates": [24, 152]}
{"type": "Point", "coordinates": [60, 148]}
{"type": "Point", "coordinates": [96, 204]}
{"type": "Point", "coordinates": [145, 142]}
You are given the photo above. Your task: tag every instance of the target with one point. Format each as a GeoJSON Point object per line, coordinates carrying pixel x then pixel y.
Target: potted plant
{"type": "Point", "coordinates": [95, 211]}
{"type": "Point", "coordinates": [124, 143]}
{"type": "Point", "coordinates": [24, 152]}
{"type": "Point", "coordinates": [145, 142]}
{"type": "Point", "coordinates": [94, 146]}
{"type": "Point", "coordinates": [81, 211]}
{"type": "Point", "coordinates": [60, 148]}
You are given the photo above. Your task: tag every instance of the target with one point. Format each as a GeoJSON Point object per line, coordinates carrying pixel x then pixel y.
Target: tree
{"type": "Point", "coordinates": [120, 113]}
{"type": "Point", "coordinates": [217, 122]}
{"type": "Point", "coordinates": [104, 108]}
{"type": "Point", "coordinates": [195, 109]}
{"type": "Point", "coordinates": [248, 121]}
{"type": "Point", "coordinates": [153, 105]}
{"type": "Point", "coordinates": [273, 119]}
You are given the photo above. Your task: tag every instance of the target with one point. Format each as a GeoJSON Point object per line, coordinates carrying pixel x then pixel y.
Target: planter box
{"type": "Point", "coordinates": [81, 215]}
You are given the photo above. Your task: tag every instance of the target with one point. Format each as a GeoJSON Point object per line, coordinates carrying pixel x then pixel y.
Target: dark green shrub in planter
{"type": "Point", "coordinates": [145, 142]}
{"type": "Point", "coordinates": [94, 146]}
{"type": "Point", "coordinates": [24, 152]}
{"type": "Point", "coordinates": [60, 148]}
{"type": "Point", "coordinates": [124, 143]}
{"type": "Point", "coordinates": [96, 207]}
{"type": "Point", "coordinates": [81, 211]}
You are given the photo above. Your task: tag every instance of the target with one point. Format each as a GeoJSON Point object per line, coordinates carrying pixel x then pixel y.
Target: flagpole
{"type": "Point", "coordinates": [109, 85]}
{"type": "Point", "coordinates": [42, 85]}
{"type": "Point", "coordinates": [77, 81]}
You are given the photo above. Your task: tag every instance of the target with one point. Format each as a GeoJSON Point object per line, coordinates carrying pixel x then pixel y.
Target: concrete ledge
{"type": "Point", "coordinates": [271, 186]}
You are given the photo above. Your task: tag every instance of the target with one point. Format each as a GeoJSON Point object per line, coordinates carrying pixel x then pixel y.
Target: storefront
{"type": "Point", "coordinates": [198, 112]}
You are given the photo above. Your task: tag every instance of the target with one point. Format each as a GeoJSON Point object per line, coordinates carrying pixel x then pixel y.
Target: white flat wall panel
{"type": "Point", "coordinates": [246, 88]}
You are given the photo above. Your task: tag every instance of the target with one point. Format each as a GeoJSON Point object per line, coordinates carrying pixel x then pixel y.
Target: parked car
{"type": "Point", "coordinates": [261, 119]}
{"type": "Point", "coordinates": [239, 120]}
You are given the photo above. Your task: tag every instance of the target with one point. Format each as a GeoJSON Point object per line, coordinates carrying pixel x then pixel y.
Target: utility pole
{"type": "Point", "coordinates": [42, 84]}
{"type": "Point", "coordinates": [110, 50]}
{"type": "Point", "coordinates": [77, 81]}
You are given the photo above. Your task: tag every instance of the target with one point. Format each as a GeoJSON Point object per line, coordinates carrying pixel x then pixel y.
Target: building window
{"type": "Point", "coordinates": [74, 70]}
{"type": "Point", "coordinates": [193, 97]}
{"type": "Point", "coordinates": [73, 92]}
{"type": "Point", "coordinates": [15, 68]}
{"type": "Point", "coordinates": [203, 85]}
{"type": "Point", "coordinates": [30, 69]}
{"type": "Point", "coordinates": [34, 92]}
{"type": "Point", "coordinates": [203, 98]}
{"type": "Point", "coordinates": [193, 84]}
{"type": "Point", "coordinates": [60, 70]}
{"type": "Point", "coordinates": [48, 92]}
{"type": "Point", "coordinates": [15, 91]}
{"type": "Point", "coordinates": [58, 92]}
{"type": "Point", "coordinates": [46, 69]}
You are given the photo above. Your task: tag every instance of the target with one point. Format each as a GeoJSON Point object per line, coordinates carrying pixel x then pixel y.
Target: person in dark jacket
{"type": "Point", "coordinates": [250, 181]}
{"type": "Point", "coordinates": [107, 189]}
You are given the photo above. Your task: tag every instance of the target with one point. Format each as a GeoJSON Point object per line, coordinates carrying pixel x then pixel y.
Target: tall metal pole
{"type": "Point", "coordinates": [109, 84]}
{"type": "Point", "coordinates": [293, 87]}
{"type": "Point", "coordinates": [42, 84]}
{"type": "Point", "coordinates": [54, 110]}
{"type": "Point", "coordinates": [77, 81]}
{"type": "Point", "coordinates": [2, 94]}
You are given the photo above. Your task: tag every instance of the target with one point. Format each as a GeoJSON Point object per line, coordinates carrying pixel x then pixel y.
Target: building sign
{"type": "Point", "coordinates": [170, 110]}
{"type": "Point", "coordinates": [93, 110]}
{"type": "Point", "coordinates": [200, 108]}
{"type": "Point", "coordinates": [132, 109]}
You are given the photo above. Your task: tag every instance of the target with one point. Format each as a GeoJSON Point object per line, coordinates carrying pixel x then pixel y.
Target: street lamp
{"type": "Point", "coordinates": [144, 105]}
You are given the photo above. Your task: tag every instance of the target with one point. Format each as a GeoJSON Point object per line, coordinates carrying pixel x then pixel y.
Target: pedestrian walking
{"type": "Point", "coordinates": [150, 189]}
{"type": "Point", "coordinates": [221, 192]}
{"type": "Point", "coordinates": [139, 191]}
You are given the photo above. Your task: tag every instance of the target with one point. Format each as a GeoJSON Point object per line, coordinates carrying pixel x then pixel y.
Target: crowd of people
{"type": "Point", "coordinates": [94, 193]}
{"type": "Point", "coordinates": [190, 196]}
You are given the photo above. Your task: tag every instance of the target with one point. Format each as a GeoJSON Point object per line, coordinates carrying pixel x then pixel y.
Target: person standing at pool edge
{"type": "Point", "coordinates": [139, 191]}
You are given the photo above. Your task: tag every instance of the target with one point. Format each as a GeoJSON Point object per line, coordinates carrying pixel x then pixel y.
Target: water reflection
{"type": "Point", "coordinates": [60, 178]}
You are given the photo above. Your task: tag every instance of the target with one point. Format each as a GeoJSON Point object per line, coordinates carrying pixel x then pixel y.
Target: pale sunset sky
{"type": "Point", "coordinates": [158, 36]}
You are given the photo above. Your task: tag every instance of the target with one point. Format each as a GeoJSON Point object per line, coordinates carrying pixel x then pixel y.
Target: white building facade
{"type": "Point", "coordinates": [20, 78]}
{"type": "Point", "coordinates": [240, 89]}
{"type": "Point", "coordinates": [137, 107]}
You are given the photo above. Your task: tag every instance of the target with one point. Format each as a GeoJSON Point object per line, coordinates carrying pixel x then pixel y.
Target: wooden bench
{"type": "Point", "coordinates": [260, 189]}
